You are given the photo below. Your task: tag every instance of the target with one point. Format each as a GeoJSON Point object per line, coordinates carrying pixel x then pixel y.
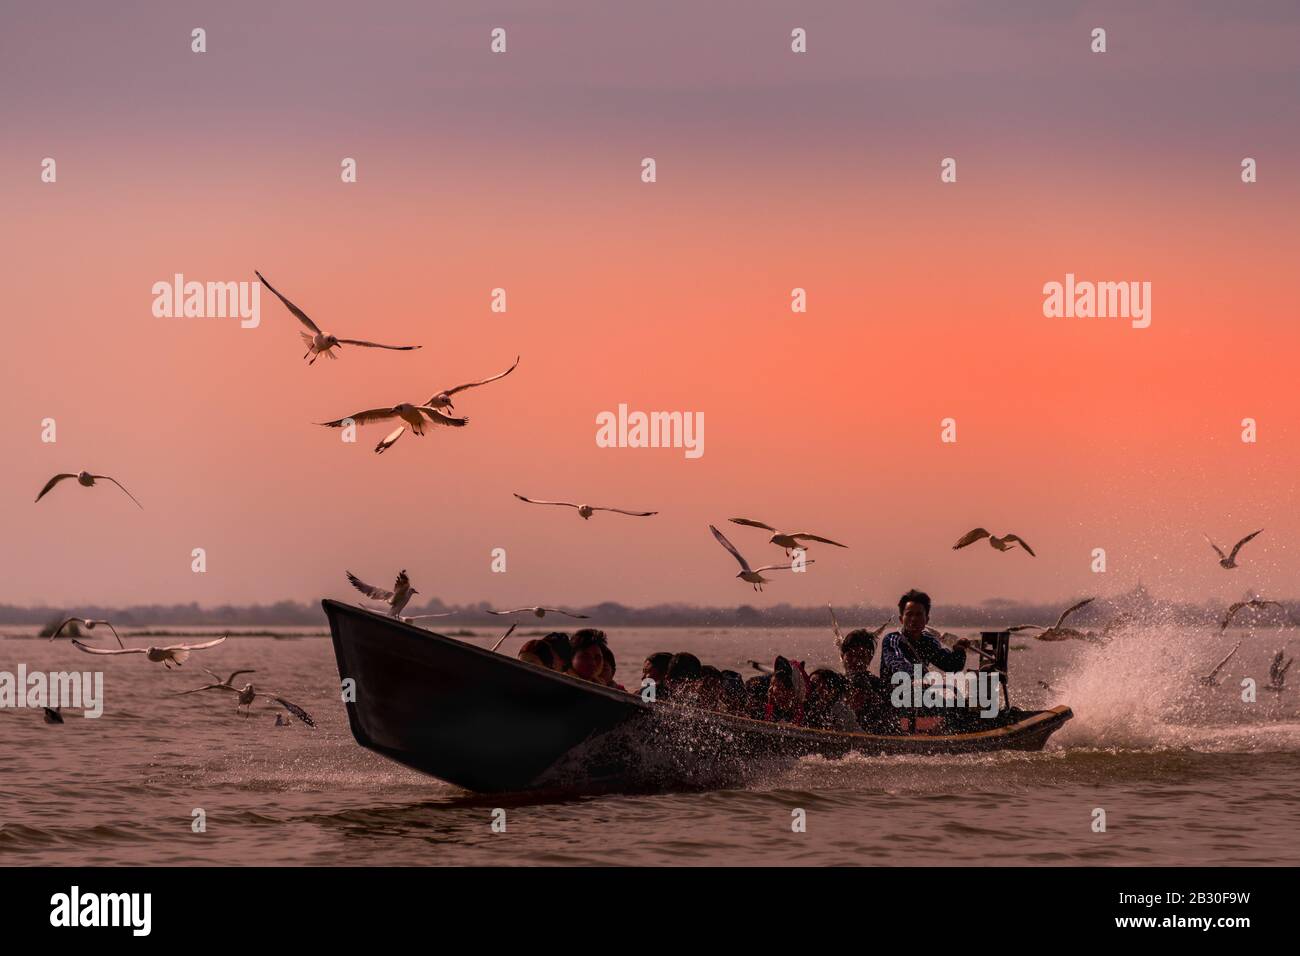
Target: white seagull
{"type": "Point", "coordinates": [1057, 632]}
{"type": "Point", "coordinates": [585, 511]}
{"type": "Point", "coordinates": [248, 693]}
{"type": "Point", "coordinates": [441, 400]}
{"type": "Point", "coordinates": [176, 654]}
{"type": "Point", "coordinates": [1004, 543]}
{"type": "Point", "coordinates": [786, 539]}
{"type": "Point", "coordinates": [753, 576]}
{"type": "Point", "coordinates": [89, 625]}
{"type": "Point", "coordinates": [317, 342]}
{"type": "Point", "coordinates": [86, 480]}
{"type": "Point", "coordinates": [1229, 561]}
{"type": "Point", "coordinates": [396, 599]}
{"type": "Point", "coordinates": [414, 415]}
{"type": "Point", "coordinates": [541, 612]}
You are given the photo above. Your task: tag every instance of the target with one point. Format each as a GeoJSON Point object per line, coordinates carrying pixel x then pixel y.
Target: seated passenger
{"type": "Point", "coordinates": [682, 677]}
{"type": "Point", "coordinates": [756, 696]}
{"type": "Point", "coordinates": [827, 708]}
{"type": "Point", "coordinates": [733, 693]}
{"type": "Point", "coordinates": [787, 692]}
{"type": "Point", "coordinates": [559, 644]}
{"type": "Point", "coordinates": [588, 661]}
{"type": "Point", "coordinates": [539, 653]}
{"type": "Point", "coordinates": [868, 695]}
{"type": "Point", "coordinates": [710, 693]}
{"type": "Point", "coordinates": [607, 674]}
{"type": "Point", "coordinates": [655, 668]}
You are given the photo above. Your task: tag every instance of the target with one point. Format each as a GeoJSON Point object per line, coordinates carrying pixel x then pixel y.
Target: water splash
{"type": "Point", "coordinates": [1143, 691]}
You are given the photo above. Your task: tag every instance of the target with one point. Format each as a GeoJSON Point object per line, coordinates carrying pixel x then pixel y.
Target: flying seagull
{"type": "Point", "coordinates": [1277, 672]}
{"type": "Point", "coordinates": [89, 625]}
{"type": "Point", "coordinates": [441, 400]}
{"type": "Point", "coordinates": [1230, 561]}
{"type": "Point", "coordinates": [786, 539]}
{"type": "Point", "coordinates": [414, 415]}
{"type": "Point", "coordinates": [1004, 543]}
{"type": "Point", "coordinates": [753, 576]}
{"type": "Point", "coordinates": [1234, 608]}
{"type": "Point", "coordinates": [541, 612]}
{"type": "Point", "coordinates": [1212, 678]}
{"type": "Point", "coordinates": [87, 480]}
{"type": "Point", "coordinates": [1057, 632]}
{"type": "Point", "coordinates": [317, 342]}
{"type": "Point", "coordinates": [839, 638]}
{"type": "Point", "coordinates": [219, 682]}
{"type": "Point", "coordinates": [248, 693]}
{"type": "Point", "coordinates": [586, 511]}
{"type": "Point", "coordinates": [396, 599]}
{"type": "Point", "coordinates": [173, 654]}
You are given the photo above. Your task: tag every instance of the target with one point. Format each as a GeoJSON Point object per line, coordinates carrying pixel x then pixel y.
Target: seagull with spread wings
{"type": "Point", "coordinates": [1004, 543]}
{"type": "Point", "coordinates": [248, 693]}
{"type": "Point", "coordinates": [585, 511]}
{"type": "Point", "coordinates": [86, 480]}
{"type": "Point", "coordinates": [173, 654]}
{"type": "Point", "coordinates": [1058, 632]}
{"type": "Point", "coordinates": [750, 575]}
{"type": "Point", "coordinates": [396, 599]}
{"type": "Point", "coordinates": [1212, 678]}
{"type": "Point", "coordinates": [89, 625]}
{"type": "Point", "coordinates": [541, 612]}
{"type": "Point", "coordinates": [219, 683]}
{"type": "Point", "coordinates": [440, 400]}
{"type": "Point", "coordinates": [414, 415]}
{"type": "Point", "coordinates": [1239, 605]}
{"type": "Point", "coordinates": [786, 539]}
{"type": "Point", "coordinates": [317, 342]}
{"type": "Point", "coordinates": [443, 399]}
{"type": "Point", "coordinates": [1229, 561]}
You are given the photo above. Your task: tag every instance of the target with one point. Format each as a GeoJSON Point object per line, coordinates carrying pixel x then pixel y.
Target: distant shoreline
{"type": "Point", "coordinates": [1136, 604]}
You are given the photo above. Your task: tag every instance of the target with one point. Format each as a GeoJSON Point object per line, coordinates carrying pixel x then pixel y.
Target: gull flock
{"type": "Point", "coordinates": [437, 411]}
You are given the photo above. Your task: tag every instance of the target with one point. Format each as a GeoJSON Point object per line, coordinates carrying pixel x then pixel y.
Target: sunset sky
{"type": "Point", "coordinates": [776, 170]}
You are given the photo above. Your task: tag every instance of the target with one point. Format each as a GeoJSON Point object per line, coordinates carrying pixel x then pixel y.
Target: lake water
{"type": "Point", "coordinates": [1185, 774]}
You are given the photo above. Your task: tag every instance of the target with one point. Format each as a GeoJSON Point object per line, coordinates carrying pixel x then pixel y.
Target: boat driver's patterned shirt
{"type": "Point", "coordinates": [894, 656]}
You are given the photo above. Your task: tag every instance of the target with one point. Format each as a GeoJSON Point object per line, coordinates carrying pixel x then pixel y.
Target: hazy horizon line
{"type": "Point", "coordinates": [298, 613]}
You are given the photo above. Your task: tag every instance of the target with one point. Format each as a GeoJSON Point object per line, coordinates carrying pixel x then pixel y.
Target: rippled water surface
{"type": "Point", "coordinates": [1185, 774]}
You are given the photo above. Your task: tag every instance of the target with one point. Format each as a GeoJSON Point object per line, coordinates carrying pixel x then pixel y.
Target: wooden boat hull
{"type": "Point", "coordinates": [489, 723]}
